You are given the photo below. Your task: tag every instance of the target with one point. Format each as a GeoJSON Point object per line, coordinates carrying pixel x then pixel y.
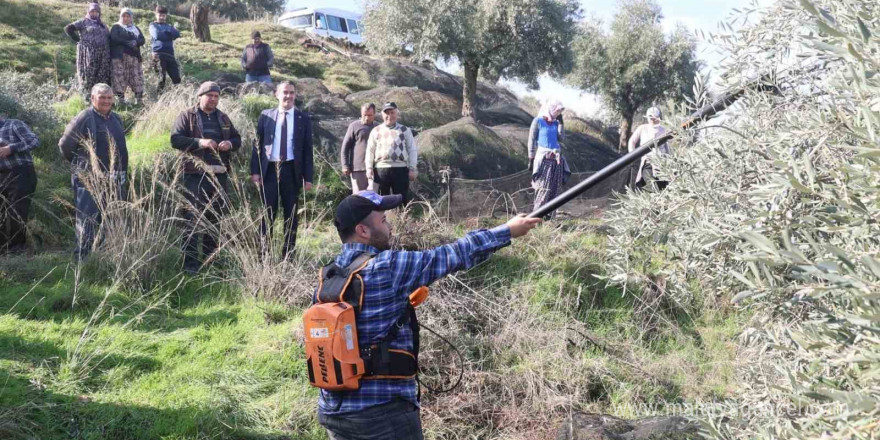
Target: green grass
{"type": "Point", "coordinates": [206, 363]}
{"type": "Point", "coordinates": [209, 362]}
{"type": "Point", "coordinates": [32, 40]}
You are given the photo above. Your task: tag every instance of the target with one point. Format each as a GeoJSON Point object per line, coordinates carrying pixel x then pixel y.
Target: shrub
{"type": "Point", "coordinates": [776, 211]}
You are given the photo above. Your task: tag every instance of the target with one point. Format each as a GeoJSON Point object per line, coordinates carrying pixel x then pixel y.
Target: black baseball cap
{"type": "Point", "coordinates": [356, 207]}
{"type": "Point", "coordinates": [388, 106]}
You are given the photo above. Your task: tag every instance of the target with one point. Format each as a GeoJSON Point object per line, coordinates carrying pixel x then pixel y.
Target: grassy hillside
{"type": "Point", "coordinates": [32, 40]}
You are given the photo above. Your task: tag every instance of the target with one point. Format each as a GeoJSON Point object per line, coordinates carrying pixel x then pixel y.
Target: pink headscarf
{"type": "Point", "coordinates": [551, 109]}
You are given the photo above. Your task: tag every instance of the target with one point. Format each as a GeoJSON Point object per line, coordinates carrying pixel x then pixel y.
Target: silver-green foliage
{"type": "Point", "coordinates": [635, 63]}
{"type": "Point", "coordinates": [782, 216]}
{"type": "Point", "coordinates": [495, 38]}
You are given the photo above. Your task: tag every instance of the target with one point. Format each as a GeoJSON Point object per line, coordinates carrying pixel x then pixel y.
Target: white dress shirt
{"type": "Point", "coordinates": [275, 154]}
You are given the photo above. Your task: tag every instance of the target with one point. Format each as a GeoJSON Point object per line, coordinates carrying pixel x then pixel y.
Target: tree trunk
{"type": "Point", "coordinates": [625, 132]}
{"type": "Point", "coordinates": [469, 98]}
{"type": "Point", "coordinates": [198, 15]}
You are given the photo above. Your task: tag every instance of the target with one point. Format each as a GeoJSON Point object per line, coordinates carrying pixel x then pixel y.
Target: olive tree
{"type": "Point", "coordinates": [634, 63]}
{"type": "Point", "coordinates": [518, 39]}
{"type": "Point", "coordinates": [231, 9]}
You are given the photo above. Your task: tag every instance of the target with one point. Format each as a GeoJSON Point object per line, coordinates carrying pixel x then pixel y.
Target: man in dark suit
{"type": "Point", "coordinates": [282, 161]}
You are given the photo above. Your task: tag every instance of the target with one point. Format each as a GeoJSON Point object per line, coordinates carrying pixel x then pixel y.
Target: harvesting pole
{"type": "Point", "coordinates": [704, 113]}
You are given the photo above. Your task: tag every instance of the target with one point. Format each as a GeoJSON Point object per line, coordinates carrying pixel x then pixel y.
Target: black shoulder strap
{"type": "Point", "coordinates": [343, 284]}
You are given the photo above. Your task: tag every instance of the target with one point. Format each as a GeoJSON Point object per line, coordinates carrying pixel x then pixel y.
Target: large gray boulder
{"type": "Point", "coordinates": [330, 105]}
{"type": "Point", "coordinates": [471, 150]}
{"type": "Point", "coordinates": [419, 108]}
{"type": "Point", "coordinates": [584, 153]}
{"type": "Point", "coordinates": [389, 72]}
{"type": "Point", "coordinates": [583, 426]}
{"type": "Point", "coordinates": [308, 88]}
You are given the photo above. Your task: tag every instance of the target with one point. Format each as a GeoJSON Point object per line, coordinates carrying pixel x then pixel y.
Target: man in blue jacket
{"type": "Point", "coordinates": [281, 161]}
{"type": "Point", "coordinates": [163, 36]}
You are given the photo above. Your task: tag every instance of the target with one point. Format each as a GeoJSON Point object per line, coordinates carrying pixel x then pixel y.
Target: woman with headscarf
{"type": "Point", "coordinates": [548, 166]}
{"type": "Point", "coordinates": [645, 134]}
{"type": "Point", "coordinates": [126, 40]}
{"type": "Point", "coordinates": [92, 49]}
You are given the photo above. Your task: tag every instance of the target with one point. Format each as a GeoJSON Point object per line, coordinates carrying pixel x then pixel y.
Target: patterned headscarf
{"type": "Point", "coordinates": [94, 7]}
{"type": "Point", "coordinates": [551, 109]}
{"type": "Point", "coordinates": [130, 27]}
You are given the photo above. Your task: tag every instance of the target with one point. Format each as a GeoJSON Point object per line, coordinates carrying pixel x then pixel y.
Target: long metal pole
{"type": "Point", "coordinates": [695, 118]}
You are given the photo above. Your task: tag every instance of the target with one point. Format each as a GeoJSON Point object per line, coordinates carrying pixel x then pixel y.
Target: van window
{"type": "Point", "coordinates": [336, 24]}
{"type": "Point", "coordinates": [320, 21]}
{"type": "Point", "coordinates": [352, 27]}
{"type": "Point", "coordinates": [300, 21]}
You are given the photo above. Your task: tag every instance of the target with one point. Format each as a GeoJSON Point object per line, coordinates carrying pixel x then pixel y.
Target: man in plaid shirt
{"type": "Point", "coordinates": [389, 408]}
{"type": "Point", "coordinates": [17, 182]}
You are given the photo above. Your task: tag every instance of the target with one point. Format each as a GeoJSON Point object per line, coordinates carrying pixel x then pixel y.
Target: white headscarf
{"type": "Point", "coordinates": [551, 109]}
{"type": "Point", "coordinates": [129, 27]}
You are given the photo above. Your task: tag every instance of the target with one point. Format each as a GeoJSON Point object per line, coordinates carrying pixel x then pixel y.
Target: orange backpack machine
{"type": "Point", "coordinates": [335, 361]}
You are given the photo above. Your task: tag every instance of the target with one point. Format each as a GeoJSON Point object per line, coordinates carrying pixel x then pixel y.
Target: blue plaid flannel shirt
{"type": "Point", "coordinates": [389, 279]}
{"type": "Point", "coordinates": [20, 139]}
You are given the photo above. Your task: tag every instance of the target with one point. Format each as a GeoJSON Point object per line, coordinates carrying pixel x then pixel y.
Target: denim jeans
{"type": "Point", "coordinates": [258, 78]}
{"type": "Point", "coordinates": [398, 420]}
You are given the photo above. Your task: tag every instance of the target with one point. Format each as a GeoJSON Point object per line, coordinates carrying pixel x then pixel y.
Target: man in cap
{"type": "Point", "coordinates": [206, 137]}
{"type": "Point", "coordinates": [391, 159]}
{"type": "Point", "coordinates": [282, 161]}
{"type": "Point", "coordinates": [644, 135]}
{"type": "Point", "coordinates": [389, 408]}
{"type": "Point", "coordinates": [256, 59]}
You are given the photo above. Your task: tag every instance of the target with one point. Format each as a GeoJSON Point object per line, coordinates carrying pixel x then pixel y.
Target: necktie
{"type": "Point", "coordinates": [283, 142]}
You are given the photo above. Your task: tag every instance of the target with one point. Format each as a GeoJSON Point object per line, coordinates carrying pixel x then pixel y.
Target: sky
{"type": "Point", "coordinates": [696, 15]}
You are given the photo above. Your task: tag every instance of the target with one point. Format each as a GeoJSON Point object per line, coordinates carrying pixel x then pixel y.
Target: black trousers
{"type": "Point", "coordinates": [398, 420]}
{"type": "Point", "coordinates": [650, 181]}
{"type": "Point", "coordinates": [16, 187]}
{"type": "Point", "coordinates": [393, 180]}
{"type": "Point", "coordinates": [281, 182]}
{"type": "Point", "coordinates": [168, 65]}
{"type": "Point", "coordinates": [207, 204]}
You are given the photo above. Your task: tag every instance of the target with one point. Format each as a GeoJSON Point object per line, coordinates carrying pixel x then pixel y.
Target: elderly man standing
{"type": "Point", "coordinates": [391, 157]}
{"type": "Point", "coordinates": [17, 182]}
{"type": "Point", "coordinates": [352, 155]}
{"type": "Point", "coordinates": [94, 143]}
{"type": "Point", "coordinates": [256, 59]}
{"type": "Point", "coordinates": [206, 137]}
{"type": "Point", "coordinates": [282, 161]}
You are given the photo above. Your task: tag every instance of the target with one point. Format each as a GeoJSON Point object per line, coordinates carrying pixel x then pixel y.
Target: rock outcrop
{"type": "Point", "coordinates": [583, 426]}
{"type": "Point", "coordinates": [418, 108]}
{"type": "Point", "coordinates": [470, 149]}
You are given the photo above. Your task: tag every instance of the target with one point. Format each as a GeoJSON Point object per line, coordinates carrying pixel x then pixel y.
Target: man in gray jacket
{"type": "Point", "coordinates": [94, 143]}
{"type": "Point", "coordinates": [354, 148]}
